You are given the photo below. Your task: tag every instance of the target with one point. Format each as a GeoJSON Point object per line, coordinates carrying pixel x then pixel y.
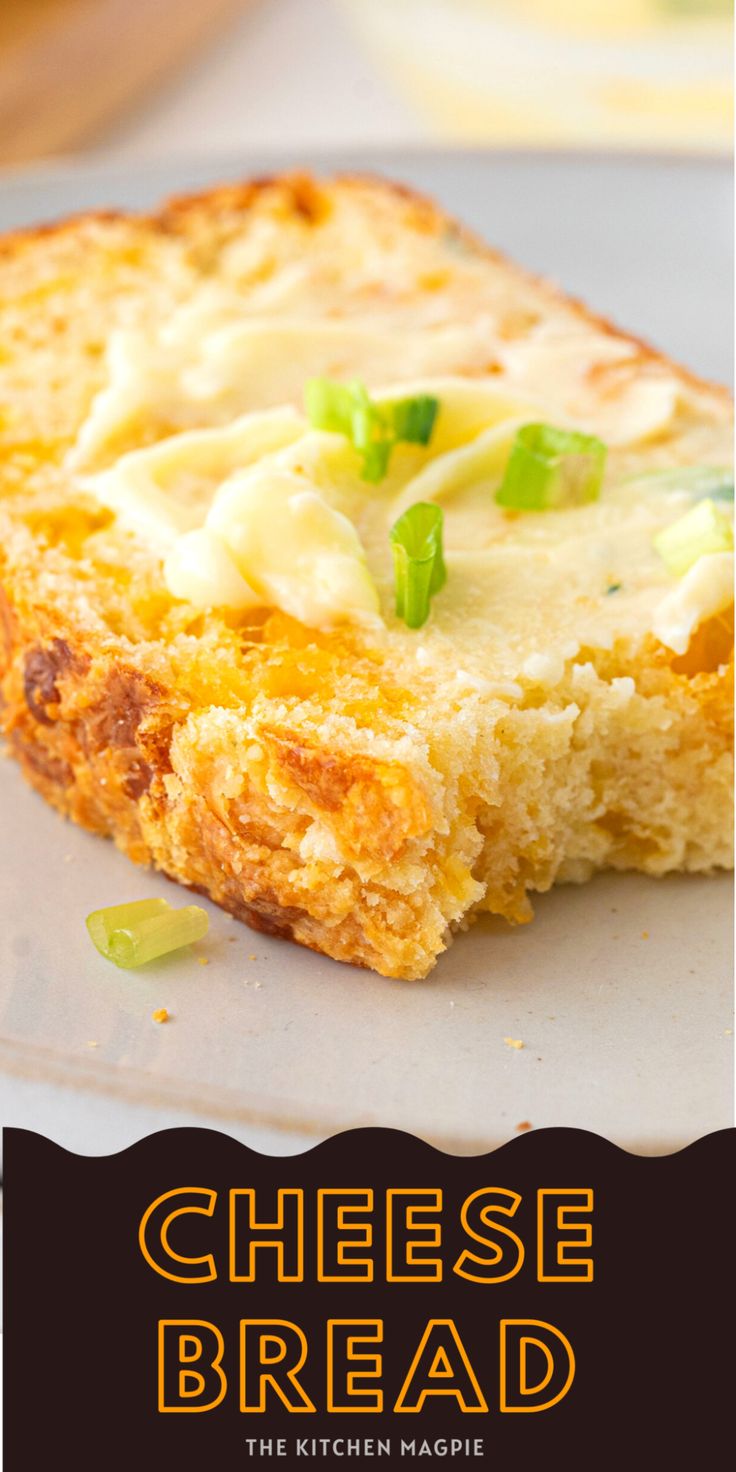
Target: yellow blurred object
{"type": "Point", "coordinates": [614, 17]}
{"type": "Point", "coordinates": [587, 73]}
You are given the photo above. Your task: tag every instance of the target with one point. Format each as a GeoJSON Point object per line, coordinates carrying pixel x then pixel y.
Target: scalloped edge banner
{"type": "Point", "coordinates": [190, 1302]}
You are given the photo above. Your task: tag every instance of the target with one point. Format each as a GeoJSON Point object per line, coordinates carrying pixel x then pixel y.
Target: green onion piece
{"type": "Point", "coordinates": [706, 528]}
{"type": "Point", "coordinates": [373, 429]}
{"type": "Point", "coordinates": [375, 460]}
{"type": "Point", "coordinates": [419, 566]}
{"type": "Point", "coordinates": [414, 419]}
{"type": "Point", "coordinates": [549, 469]}
{"type": "Point", "coordinates": [331, 406]}
{"type": "Point", "coordinates": [698, 481]}
{"type": "Point", "coordinates": [132, 934]}
{"type": "Point", "coordinates": [102, 923]}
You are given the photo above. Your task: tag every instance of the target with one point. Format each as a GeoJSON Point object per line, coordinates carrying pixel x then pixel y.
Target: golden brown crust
{"type": "Point", "coordinates": [93, 736]}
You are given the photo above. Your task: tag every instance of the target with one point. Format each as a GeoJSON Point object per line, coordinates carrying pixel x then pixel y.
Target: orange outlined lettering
{"type": "Point", "coordinates": [192, 1199]}
{"type": "Point", "coordinates": [440, 1367]}
{"type": "Point", "coordinates": [517, 1394]}
{"type": "Point", "coordinates": [416, 1237]}
{"type": "Point", "coordinates": [288, 1244]}
{"type": "Point", "coordinates": [478, 1209]}
{"type": "Point", "coordinates": [282, 1347]}
{"type": "Point", "coordinates": [342, 1340]}
{"type": "Point", "coordinates": [334, 1213]}
{"type": "Point", "coordinates": [191, 1383]}
{"type": "Point", "coordinates": [566, 1200]}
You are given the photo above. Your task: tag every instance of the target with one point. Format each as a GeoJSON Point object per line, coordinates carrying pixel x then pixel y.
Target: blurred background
{"type": "Point", "coordinates": [157, 77]}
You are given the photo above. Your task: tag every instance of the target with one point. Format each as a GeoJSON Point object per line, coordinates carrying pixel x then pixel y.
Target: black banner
{"type": "Point", "coordinates": [189, 1303]}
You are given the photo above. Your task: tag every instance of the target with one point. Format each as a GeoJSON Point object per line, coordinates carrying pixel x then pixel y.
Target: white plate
{"type": "Point", "coordinates": [620, 991]}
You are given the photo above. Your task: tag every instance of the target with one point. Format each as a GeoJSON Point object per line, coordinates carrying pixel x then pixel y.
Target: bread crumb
{"type": "Point", "coordinates": [513, 1043]}
{"type": "Point", "coordinates": [160, 1016]}
{"type": "Point", "coordinates": [92, 1044]}
{"type": "Point", "coordinates": [525, 1125]}
{"type": "Point", "coordinates": [251, 957]}
{"type": "Point", "coordinates": [645, 935]}
{"type": "Point", "coordinates": [728, 1032]}
{"type": "Point", "coordinates": [203, 960]}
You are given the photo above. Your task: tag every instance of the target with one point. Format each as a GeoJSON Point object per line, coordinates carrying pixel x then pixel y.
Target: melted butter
{"type": "Point", "coordinates": [224, 352]}
{"type": "Point", "coordinates": [612, 395]}
{"type": "Point", "coordinates": [201, 570]}
{"type": "Point", "coordinates": [195, 374]}
{"type": "Point", "coordinates": [248, 505]}
{"type": "Point", "coordinates": [165, 491]}
{"type": "Point", "coordinates": [299, 553]}
{"type": "Point", "coordinates": [705, 590]}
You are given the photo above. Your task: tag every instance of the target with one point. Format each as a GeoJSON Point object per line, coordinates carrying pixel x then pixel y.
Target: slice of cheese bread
{"type": "Point", "coordinates": [201, 653]}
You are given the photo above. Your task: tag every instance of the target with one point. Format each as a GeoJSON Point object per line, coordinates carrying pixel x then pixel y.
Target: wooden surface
{"type": "Point", "coordinates": [68, 68]}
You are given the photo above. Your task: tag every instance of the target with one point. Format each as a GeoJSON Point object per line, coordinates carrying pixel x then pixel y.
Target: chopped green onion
{"type": "Point", "coordinates": [706, 528]}
{"type": "Point", "coordinates": [101, 923]}
{"type": "Point", "coordinates": [132, 934]}
{"type": "Point", "coordinates": [613, 588]}
{"type": "Point", "coordinates": [413, 419]}
{"type": "Point", "coordinates": [698, 480]}
{"type": "Point", "coordinates": [375, 460]}
{"type": "Point", "coordinates": [419, 566]}
{"type": "Point", "coordinates": [341, 408]}
{"type": "Point", "coordinates": [373, 429]}
{"type": "Point", "coordinates": [549, 469]}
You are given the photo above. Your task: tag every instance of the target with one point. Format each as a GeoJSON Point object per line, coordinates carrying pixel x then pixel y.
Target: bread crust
{"type": "Point", "coordinates": [304, 196]}
{"type": "Point", "coordinates": [93, 735]}
{"type": "Point", "coordinates": [104, 738]}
